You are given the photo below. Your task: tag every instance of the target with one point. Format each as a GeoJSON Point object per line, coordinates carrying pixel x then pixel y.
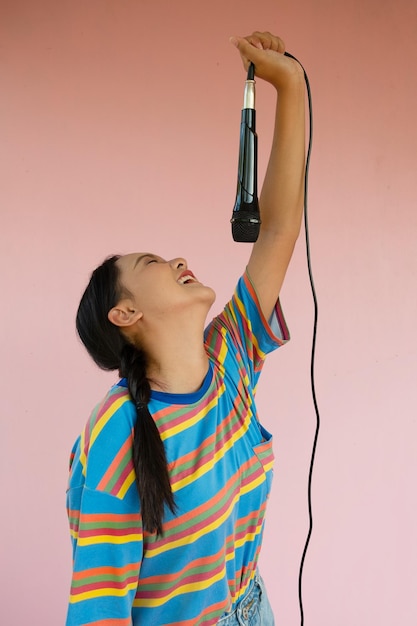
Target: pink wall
{"type": "Point", "coordinates": [120, 132]}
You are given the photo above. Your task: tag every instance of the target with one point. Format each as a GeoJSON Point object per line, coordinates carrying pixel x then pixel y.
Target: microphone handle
{"type": "Point", "coordinates": [246, 216]}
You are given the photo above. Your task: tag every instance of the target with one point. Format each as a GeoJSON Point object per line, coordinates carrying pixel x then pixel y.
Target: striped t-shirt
{"type": "Point", "coordinates": [220, 464]}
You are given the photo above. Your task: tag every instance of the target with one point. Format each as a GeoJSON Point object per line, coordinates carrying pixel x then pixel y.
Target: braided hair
{"type": "Point", "coordinates": [110, 350]}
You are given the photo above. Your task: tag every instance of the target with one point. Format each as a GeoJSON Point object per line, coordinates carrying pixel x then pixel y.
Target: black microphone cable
{"type": "Point", "coordinates": [314, 339]}
{"type": "Point", "coordinates": [245, 212]}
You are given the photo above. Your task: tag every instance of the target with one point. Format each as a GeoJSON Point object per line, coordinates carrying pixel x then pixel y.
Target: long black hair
{"type": "Point", "coordinates": [111, 351]}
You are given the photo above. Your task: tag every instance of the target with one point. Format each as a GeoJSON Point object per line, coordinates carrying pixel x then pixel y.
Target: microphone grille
{"type": "Point", "coordinates": [245, 232]}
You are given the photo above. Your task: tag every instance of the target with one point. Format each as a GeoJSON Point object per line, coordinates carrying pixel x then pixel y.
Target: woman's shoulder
{"type": "Point", "coordinates": [110, 422]}
{"type": "Point", "coordinates": [106, 436]}
{"type": "Point", "coordinates": [115, 404]}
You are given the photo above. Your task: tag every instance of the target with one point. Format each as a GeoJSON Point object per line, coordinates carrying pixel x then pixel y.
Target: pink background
{"type": "Point", "coordinates": [120, 123]}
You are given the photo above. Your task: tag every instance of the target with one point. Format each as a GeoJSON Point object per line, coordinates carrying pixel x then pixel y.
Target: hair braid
{"type": "Point", "coordinates": [149, 458]}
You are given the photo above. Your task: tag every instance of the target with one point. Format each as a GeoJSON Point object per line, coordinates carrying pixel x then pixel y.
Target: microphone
{"type": "Point", "coordinates": [246, 218]}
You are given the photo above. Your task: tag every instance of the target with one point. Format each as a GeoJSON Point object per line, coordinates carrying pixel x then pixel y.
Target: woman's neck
{"type": "Point", "coordinates": [177, 361]}
{"type": "Point", "coordinates": [182, 371]}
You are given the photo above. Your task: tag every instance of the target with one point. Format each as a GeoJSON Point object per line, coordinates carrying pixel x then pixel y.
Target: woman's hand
{"type": "Point", "coordinates": [266, 52]}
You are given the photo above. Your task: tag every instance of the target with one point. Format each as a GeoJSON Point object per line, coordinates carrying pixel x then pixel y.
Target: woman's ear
{"type": "Point", "coordinates": [124, 315]}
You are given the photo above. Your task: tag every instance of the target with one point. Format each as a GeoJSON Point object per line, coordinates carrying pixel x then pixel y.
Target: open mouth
{"type": "Point", "coordinates": [186, 278]}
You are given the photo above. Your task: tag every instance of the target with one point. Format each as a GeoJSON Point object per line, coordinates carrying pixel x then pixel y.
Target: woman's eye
{"type": "Point", "coordinates": [152, 261]}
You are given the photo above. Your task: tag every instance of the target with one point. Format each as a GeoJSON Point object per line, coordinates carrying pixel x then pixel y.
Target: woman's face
{"type": "Point", "coordinates": [158, 287]}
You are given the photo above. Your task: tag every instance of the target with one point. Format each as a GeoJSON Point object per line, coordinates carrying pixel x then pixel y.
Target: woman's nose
{"type": "Point", "coordinates": [178, 263]}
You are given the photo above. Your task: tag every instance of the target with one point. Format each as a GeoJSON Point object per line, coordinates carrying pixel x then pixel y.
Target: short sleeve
{"type": "Point", "coordinates": [243, 324]}
{"type": "Point", "coordinates": [104, 517]}
{"type": "Point", "coordinates": [107, 552]}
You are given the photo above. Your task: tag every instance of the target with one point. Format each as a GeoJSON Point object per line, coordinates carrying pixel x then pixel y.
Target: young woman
{"type": "Point", "coordinates": [170, 478]}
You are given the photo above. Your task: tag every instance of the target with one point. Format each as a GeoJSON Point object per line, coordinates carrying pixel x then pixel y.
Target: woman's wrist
{"type": "Point", "coordinates": [292, 81]}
